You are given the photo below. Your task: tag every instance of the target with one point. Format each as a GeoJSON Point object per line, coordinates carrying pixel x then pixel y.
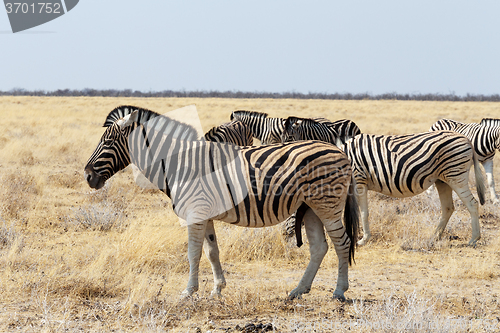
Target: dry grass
{"type": "Point", "coordinates": [115, 260]}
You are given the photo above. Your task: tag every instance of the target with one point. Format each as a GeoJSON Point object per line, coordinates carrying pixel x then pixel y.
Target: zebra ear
{"type": "Point", "coordinates": [128, 119]}
{"type": "Point", "coordinates": [296, 123]}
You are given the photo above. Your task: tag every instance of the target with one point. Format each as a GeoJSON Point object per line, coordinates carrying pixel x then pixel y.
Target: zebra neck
{"type": "Point", "coordinates": [165, 165]}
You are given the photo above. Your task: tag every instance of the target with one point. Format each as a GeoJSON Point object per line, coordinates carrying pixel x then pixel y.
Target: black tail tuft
{"type": "Point", "coordinates": [351, 219]}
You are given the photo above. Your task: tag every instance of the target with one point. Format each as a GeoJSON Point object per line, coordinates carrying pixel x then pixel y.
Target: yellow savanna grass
{"type": "Point", "coordinates": [58, 273]}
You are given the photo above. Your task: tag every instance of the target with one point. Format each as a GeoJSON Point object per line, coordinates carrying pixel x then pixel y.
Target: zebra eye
{"type": "Point", "coordinates": [108, 142]}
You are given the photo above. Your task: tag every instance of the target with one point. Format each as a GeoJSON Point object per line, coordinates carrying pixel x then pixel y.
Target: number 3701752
{"type": "Point", "coordinates": [35, 8]}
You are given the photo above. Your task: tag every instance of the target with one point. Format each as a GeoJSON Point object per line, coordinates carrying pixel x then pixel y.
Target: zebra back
{"type": "Point", "coordinates": [490, 122]}
{"type": "Point", "coordinates": [234, 132]}
{"type": "Point", "coordinates": [446, 125]}
{"type": "Point", "coordinates": [485, 137]}
{"type": "Point", "coordinates": [267, 130]}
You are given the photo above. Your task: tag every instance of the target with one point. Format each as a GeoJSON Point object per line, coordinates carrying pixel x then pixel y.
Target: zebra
{"type": "Point", "coordinates": [485, 138]}
{"type": "Point", "coordinates": [266, 184]}
{"type": "Point", "coordinates": [406, 165]}
{"type": "Point", "coordinates": [234, 132]}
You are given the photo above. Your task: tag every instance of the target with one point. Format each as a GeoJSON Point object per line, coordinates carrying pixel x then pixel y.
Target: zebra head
{"type": "Point", "coordinates": [112, 153]}
{"type": "Point", "coordinates": [292, 130]}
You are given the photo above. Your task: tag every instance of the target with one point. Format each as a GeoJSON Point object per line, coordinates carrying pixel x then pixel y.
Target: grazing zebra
{"type": "Point", "coordinates": [485, 138]}
{"type": "Point", "coordinates": [234, 132]}
{"type": "Point", "coordinates": [269, 130]}
{"type": "Point", "coordinates": [406, 165]}
{"type": "Point", "coordinates": [256, 186]}
{"type": "Point", "coordinates": [337, 132]}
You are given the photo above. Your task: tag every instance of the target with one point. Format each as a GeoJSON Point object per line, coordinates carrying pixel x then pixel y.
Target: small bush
{"type": "Point", "coordinates": [103, 211]}
{"type": "Point", "coordinates": [97, 216]}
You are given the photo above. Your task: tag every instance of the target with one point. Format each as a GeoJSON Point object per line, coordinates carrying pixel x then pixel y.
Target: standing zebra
{"type": "Point", "coordinates": [406, 165]}
{"type": "Point", "coordinates": [256, 186]}
{"type": "Point", "coordinates": [485, 138]}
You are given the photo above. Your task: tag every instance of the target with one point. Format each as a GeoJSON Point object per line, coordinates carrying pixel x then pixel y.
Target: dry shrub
{"type": "Point", "coordinates": [396, 314]}
{"type": "Point", "coordinates": [20, 189]}
{"type": "Point", "coordinates": [102, 212]}
{"type": "Point", "coordinates": [97, 216]}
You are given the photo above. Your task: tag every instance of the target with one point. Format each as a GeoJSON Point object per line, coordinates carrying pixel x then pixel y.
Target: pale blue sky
{"type": "Point", "coordinates": [272, 46]}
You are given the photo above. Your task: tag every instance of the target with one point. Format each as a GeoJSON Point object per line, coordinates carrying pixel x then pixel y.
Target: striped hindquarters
{"type": "Point", "coordinates": [280, 177]}
{"type": "Point", "coordinates": [485, 137]}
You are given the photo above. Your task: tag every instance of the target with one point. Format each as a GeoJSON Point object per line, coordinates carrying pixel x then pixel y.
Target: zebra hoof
{"type": "Point", "coordinates": [340, 298]}
{"type": "Point", "coordinates": [187, 293]}
{"type": "Point", "coordinates": [363, 241]}
{"type": "Point", "coordinates": [297, 293]}
{"type": "Point", "coordinates": [216, 293]}
{"type": "Point", "coordinates": [473, 242]}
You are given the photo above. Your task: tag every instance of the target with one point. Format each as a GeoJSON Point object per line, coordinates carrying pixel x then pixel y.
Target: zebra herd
{"type": "Point", "coordinates": [315, 169]}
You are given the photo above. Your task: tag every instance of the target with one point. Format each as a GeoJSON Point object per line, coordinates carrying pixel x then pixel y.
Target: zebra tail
{"type": "Point", "coordinates": [481, 189]}
{"type": "Point", "coordinates": [351, 218]}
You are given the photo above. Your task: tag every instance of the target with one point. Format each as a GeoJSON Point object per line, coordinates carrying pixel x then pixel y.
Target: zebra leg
{"type": "Point", "coordinates": [362, 196]}
{"type": "Point", "coordinates": [212, 251]}
{"type": "Point", "coordinates": [341, 242]}
{"type": "Point", "coordinates": [317, 248]}
{"type": "Point", "coordinates": [488, 168]}
{"type": "Point", "coordinates": [196, 233]}
{"type": "Point", "coordinates": [463, 191]}
{"type": "Point", "coordinates": [447, 208]}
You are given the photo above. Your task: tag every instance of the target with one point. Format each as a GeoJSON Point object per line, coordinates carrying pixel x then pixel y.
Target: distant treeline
{"type": "Point", "coordinates": [241, 94]}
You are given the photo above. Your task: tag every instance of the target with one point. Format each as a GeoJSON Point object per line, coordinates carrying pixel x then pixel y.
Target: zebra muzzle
{"type": "Point", "coordinates": [94, 180]}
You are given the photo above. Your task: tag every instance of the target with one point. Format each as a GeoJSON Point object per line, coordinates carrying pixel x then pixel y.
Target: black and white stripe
{"type": "Point", "coordinates": [234, 132]}
{"type": "Point", "coordinates": [264, 128]}
{"type": "Point", "coordinates": [485, 138]}
{"type": "Point", "coordinates": [255, 186]}
{"type": "Point", "coordinates": [406, 165]}
{"type": "Point", "coordinates": [338, 132]}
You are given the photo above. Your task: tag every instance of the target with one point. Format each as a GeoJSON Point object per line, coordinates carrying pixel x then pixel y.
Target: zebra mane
{"type": "Point", "coordinates": [243, 113]}
{"type": "Point", "coordinates": [182, 131]}
{"type": "Point", "coordinates": [490, 122]}
{"type": "Point", "coordinates": [125, 110]}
